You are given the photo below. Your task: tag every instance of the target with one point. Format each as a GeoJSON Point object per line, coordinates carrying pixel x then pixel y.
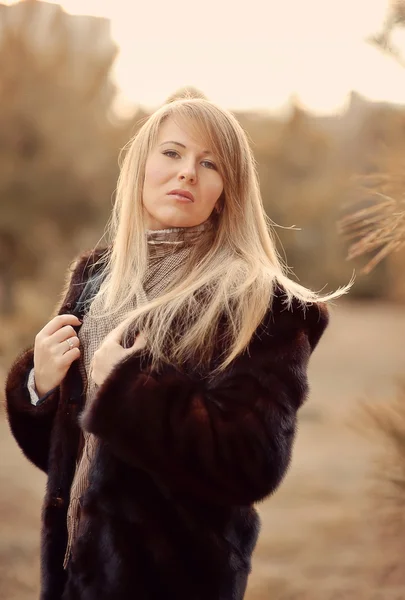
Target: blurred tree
{"type": "Point", "coordinates": [383, 39]}
{"type": "Point", "coordinates": [302, 182]}
{"type": "Point", "coordinates": [59, 141]}
{"type": "Point", "coordinates": [375, 226]}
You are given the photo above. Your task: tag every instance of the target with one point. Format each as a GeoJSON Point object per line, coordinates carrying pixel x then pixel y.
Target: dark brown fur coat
{"type": "Point", "coordinates": [168, 513]}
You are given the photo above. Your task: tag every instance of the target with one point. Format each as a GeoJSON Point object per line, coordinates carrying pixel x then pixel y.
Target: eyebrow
{"type": "Point", "coordinates": [182, 146]}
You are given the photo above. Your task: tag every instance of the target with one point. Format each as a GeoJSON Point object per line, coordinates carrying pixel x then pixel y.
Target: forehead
{"type": "Point", "coordinates": [184, 131]}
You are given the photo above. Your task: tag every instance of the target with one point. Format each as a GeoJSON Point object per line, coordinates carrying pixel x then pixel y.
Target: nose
{"type": "Point", "coordinates": [188, 173]}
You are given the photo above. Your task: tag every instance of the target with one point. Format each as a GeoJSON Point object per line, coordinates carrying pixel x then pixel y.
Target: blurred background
{"type": "Point", "coordinates": [320, 89]}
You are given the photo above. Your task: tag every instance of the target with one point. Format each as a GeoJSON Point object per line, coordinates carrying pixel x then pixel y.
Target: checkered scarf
{"type": "Point", "coordinates": [168, 248]}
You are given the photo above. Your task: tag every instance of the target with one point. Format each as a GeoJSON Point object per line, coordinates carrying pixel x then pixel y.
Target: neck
{"type": "Point", "coordinates": [161, 241]}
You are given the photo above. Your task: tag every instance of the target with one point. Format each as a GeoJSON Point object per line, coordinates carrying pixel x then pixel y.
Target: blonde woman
{"type": "Point", "coordinates": [161, 400]}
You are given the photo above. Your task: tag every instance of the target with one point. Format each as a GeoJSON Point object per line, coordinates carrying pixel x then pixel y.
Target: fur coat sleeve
{"type": "Point", "coordinates": [228, 441]}
{"type": "Point", "coordinates": [32, 425]}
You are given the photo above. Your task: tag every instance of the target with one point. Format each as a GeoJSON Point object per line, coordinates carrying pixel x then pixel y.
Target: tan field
{"type": "Point", "coordinates": [319, 538]}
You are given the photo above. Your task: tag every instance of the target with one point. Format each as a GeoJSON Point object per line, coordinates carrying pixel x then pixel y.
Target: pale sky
{"type": "Point", "coordinates": [254, 54]}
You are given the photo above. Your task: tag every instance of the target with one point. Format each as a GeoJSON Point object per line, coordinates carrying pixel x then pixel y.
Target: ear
{"type": "Point", "coordinates": [220, 203]}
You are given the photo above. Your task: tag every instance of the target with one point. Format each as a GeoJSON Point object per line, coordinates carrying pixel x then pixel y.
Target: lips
{"type": "Point", "coordinates": [183, 193]}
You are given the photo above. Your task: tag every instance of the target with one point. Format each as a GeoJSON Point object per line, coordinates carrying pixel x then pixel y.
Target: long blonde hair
{"type": "Point", "coordinates": [235, 271]}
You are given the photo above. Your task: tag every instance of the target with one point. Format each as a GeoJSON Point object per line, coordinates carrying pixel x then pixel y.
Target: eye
{"type": "Point", "coordinates": [174, 154]}
{"type": "Point", "coordinates": [170, 152]}
{"type": "Point", "coordinates": [210, 164]}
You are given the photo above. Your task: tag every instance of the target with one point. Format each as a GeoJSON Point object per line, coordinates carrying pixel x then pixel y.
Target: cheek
{"type": "Point", "coordinates": [153, 175]}
{"type": "Point", "coordinates": [154, 181]}
{"type": "Point", "coordinates": [212, 191]}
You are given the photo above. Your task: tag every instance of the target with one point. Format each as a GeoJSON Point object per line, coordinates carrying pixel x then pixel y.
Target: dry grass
{"type": "Point", "coordinates": [379, 228]}
{"type": "Point", "coordinates": [383, 424]}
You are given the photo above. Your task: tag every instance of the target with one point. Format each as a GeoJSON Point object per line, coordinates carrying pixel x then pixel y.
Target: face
{"type": "Point", "coordinates": [179, 163]}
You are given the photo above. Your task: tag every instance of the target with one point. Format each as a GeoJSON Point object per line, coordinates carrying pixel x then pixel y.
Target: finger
{"type": "Point", "coordinates": [140, 338]}
{"type": "Point", "coordinates": [59, 321]}
{"type": "Point", "coordinates": [63, 334]}
{"type": "Point", "coordinates": [70, 355]}
{"type": "Point", "coordinates": [114, 337]}
{"type": "Point", "coordinates": [68, 345]}
{"type": "Point", "coordinates": [139, 343]}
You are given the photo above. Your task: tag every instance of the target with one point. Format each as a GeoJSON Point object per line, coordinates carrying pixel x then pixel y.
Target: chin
{"type": "Point", "coordinates": [177, 219]}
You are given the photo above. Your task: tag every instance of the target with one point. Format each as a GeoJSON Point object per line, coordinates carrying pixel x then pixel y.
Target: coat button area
{"type": "Point", "coordinates": [57, 502]}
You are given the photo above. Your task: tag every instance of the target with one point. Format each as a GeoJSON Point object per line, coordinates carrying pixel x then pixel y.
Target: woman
{"type": "Point", "coordinates": [193, 345]}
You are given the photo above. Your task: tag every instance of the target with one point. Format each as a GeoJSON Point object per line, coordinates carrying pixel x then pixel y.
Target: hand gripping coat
{"type": "Point", "coordinates": [168, 514]}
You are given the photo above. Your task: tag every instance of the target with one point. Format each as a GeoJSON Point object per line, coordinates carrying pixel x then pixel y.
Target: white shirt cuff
{"type": "Point", "coordinates": [31, 388]}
